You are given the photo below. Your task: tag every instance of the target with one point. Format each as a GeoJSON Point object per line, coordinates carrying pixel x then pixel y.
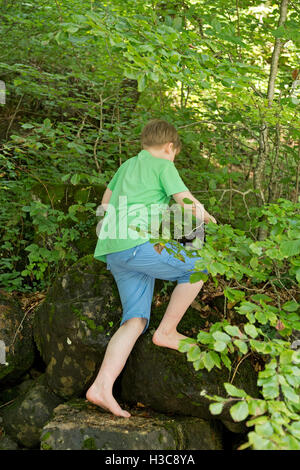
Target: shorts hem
{"type": "Point", "coordinates": [124, 319]}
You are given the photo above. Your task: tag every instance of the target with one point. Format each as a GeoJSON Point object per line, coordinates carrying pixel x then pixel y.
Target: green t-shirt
{"type": "Point", "coordinates": [141, 187]}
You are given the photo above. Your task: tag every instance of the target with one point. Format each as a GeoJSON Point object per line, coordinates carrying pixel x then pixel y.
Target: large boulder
{"type": "Point", "coordinates": [73, 325]}
{"type": "Point", "coordinates": [25, 417]}
{"type": "Point", "coordinates": [72, 328]}
{"type": "Point", "coordinates": [77, 425]}
{"type": "Point", "coordinates": [16, 340]}
{"type": "Point", "coordinates": [165, 381]}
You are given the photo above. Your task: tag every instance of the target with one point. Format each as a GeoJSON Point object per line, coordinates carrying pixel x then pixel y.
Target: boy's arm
{"type": "Point", "coordinates": [197, 208]}
{"type": "Point", "coordinates": [106, 198]}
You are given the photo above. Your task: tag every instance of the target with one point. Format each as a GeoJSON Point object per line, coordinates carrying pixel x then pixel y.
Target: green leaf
{"type": "Point", "coordinates": [208, 362]}
{"type": "Point", "coordinates": [264, 429]}
{"type": "Point", "coordinates": [220, 336]}
{"type": "Point", "coordinates": [290, 248]}
{"type": "Point", "coordinates": [185, 344]}
{"type": "Point", "coordinates": [204, 337]}
{"type": "Point", "coordinates": [141, 82]}
{"type": "Point", "coordinates": [257, 407]}
{"type": "Point", "coordinates": [242, 346]}
{"type": "Point", "coordinates": [233, 294]}
{"type": "Point", "coordinates": [286, 357]}
{"type": "Point", "coordinates": [250, 330]}
{"type": "Point", "coordinates": [239, 411]}
{"type": "Point", "coordinates": [290, 393]}
{"type": "Point", "coordinates": [75, 178]}
{"type": "Point", "coordinates": [198, 276]}
{"type": "Point", "coordinates": [216, 408]}
{"type": "Point", "coordinates": [255, 248]}
{"type": "Point", "coordinates": [233, 330]}
{"type": "Point", "coordinates": [27, 126]}
{"type": "Point", "coordinates": [234, 391]}
{"type": "Point", "coordinates": [187, 201]}
{"type": "Point", "coordinates": [219, 346]}
{"type": "Point", "coordinates": [247, 307]}
{"type": "Point", "coordinates": [215, 358]}
{"type": "Point", "coordinates": [270, 391]}
{"type": "Point", "coordinates": [263, 297]}
{"type": "Point", "coordinates": [226, 361]}
{"type": "Point", "coordinates": [291, 306]}
{"type": "Point", "coordinates": [194, 353]}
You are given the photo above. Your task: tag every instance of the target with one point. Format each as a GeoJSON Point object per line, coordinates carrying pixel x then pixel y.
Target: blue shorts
{"type": "Point", "coordinates": [135, 271]}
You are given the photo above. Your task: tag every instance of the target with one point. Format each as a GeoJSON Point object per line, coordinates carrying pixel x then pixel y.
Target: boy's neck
{"type": "Point", "coordinates": [161, 153]}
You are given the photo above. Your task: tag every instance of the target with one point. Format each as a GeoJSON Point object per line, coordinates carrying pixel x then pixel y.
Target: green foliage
{"type": "Point", "coordinates": [267, 328]}
{"type": "Point", "coordinates": [81, 83]}
{"type": "Point", "coordinates": [52, 250]}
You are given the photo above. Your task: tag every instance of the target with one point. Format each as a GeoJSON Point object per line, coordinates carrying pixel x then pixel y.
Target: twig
{"type": "Point", "coordinates": [14, 115]}
{"type": "Point", "coordinates": [238, 365]}
{"type": "Point", "coordinates": [7, 403]}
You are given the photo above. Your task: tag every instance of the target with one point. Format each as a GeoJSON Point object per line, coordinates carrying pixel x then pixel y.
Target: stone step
{"type": "Point", "coordinates": [79, 425]}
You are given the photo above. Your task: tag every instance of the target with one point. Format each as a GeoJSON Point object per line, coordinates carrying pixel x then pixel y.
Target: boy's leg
{"type": "Point", "coordinates": [116, 355]}
{"type": "Point", "coordinates": [182, 296]}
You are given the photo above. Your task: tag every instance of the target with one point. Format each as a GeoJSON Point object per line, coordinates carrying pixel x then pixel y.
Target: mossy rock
{"type": "Point", "coordinates": [73, 325]}
{"type": "Point", "coordinates": [78, 425]}
{"type": "Point", "coordinates": [24, 419]}
{"type": "Point", "coordinates": [164, 380]}
{"type": "Point", "coordinates": [11, 393]}
{"type": "Point", "coordinates": [17, 345]}
{"type": "Point", "coordinates": [7, 443]}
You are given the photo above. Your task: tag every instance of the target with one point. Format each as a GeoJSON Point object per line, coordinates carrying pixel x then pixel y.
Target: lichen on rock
{"type": "Point", "coordinates": [77, 425]}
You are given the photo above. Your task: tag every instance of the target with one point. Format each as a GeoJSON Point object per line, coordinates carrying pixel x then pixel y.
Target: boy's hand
{"type": "Point", "coordinates": [209, 218]}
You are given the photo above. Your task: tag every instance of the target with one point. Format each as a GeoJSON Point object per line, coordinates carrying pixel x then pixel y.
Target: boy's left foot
{"type": "Point", "coordinates": [168, 340]}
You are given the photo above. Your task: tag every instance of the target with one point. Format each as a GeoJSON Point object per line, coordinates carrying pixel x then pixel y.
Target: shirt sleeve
{"type": "Point", "coordinates": [171, 181]}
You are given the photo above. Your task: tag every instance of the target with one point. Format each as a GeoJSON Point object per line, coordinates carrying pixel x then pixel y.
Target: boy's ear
{"type": "Point", "coordinates": [169, 147]}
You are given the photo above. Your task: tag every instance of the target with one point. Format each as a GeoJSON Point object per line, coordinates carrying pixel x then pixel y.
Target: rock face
{"type": "Point", "coordinates": [165, 381]}
{"type": "Point", "coordinates": [73, 325]}
{"type": "Point", "coordinates": [78, 426]}
{"type": "Point", "coordinates": [16, 340]}
{"type": "Point", "coordinates": [24, 419]}
{"type": "Point", "coordinates": [6, 443]}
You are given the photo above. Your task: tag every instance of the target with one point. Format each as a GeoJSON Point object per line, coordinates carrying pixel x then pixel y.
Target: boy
{"type": "Point", "coordinates": [148, 179]}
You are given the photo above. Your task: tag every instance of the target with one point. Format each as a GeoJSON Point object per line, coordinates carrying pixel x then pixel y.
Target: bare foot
{"type": "Point", "coordinates": [105, 400]}
{"type": "Point", "coordinates": [168, 341]}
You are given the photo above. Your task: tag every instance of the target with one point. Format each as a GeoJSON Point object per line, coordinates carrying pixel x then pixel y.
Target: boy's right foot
{"type": "Point", "coordinates": [105, 400]}
{"type": "Point", "coordinates": [168, 340]}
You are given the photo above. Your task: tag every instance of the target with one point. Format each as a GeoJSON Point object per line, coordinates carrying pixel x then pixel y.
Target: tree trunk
{"type": "Point", "coordinates": [263, 141]}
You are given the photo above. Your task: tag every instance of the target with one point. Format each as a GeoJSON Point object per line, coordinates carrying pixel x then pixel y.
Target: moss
{"type": "Point", "coordinates": [78, 404]}
{"type": "Point", "coordinates": [46, 436]}
{"type": "Point", "coordinates": [176, 431]}
{"type": "Point", "coordinates": [5, 370]}
{"type": "Point", "coordinates": [51, 313]}
{"type": "Point", "coordinates": [89, 444]}
{"type": "Point", "coordinates": [45, 446]}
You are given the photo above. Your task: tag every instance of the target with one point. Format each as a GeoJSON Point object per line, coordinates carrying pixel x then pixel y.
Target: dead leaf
{"type": "Point", "coordinates": [279, 325]}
